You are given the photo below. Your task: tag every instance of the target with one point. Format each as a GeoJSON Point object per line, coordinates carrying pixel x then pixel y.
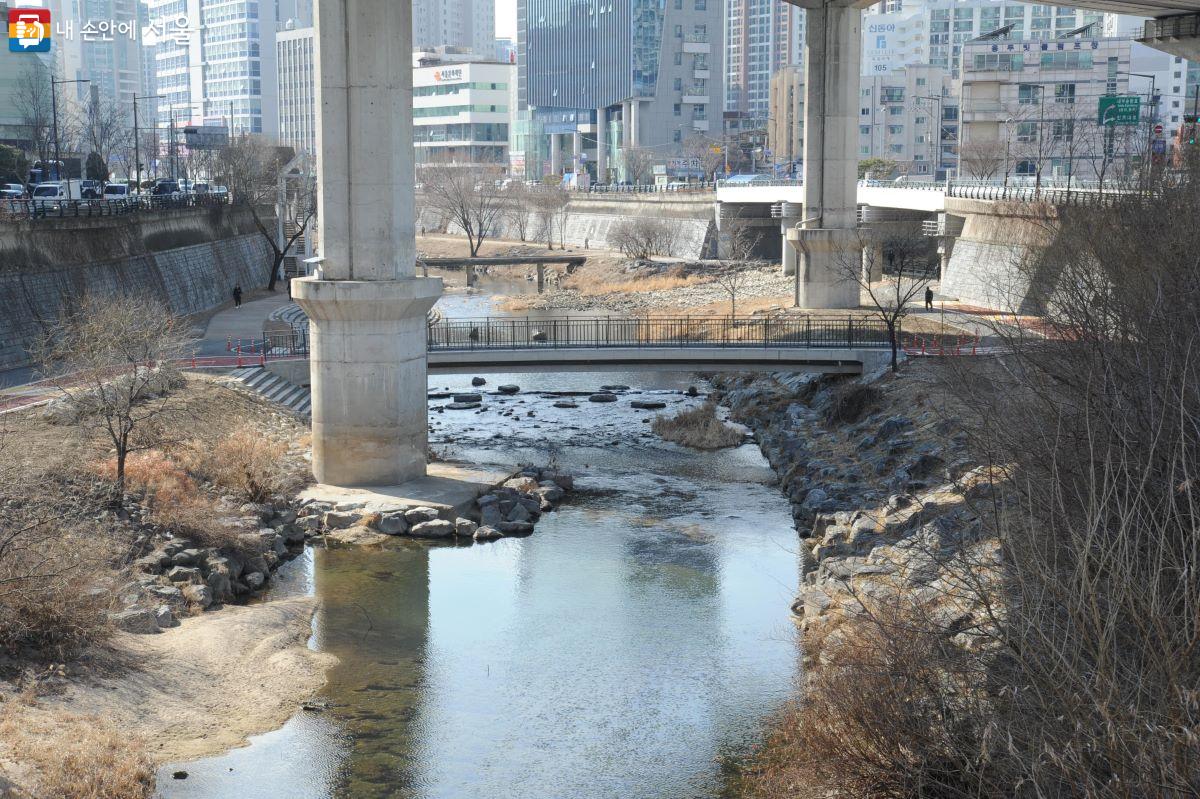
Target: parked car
{"type": "Point", "coordinates": [166, 188]}
{"type": "Point", "coordinates": [117, 191]}
{"type": "Point", "coordinates": [220, 191]}
{"type": "Point", "coordinates": [12, 191]}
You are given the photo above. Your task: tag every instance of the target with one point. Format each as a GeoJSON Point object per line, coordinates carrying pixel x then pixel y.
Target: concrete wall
{"type": "Point", "coordinates": [48, 266]}
{"type": "Point", "coordinates": [591, 217]}
{"type": "Point", "coordinates": [995, 262]}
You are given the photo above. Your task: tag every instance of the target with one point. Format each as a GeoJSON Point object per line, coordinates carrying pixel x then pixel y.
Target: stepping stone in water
{"type": "Point", "coordinates": [565, 404]}
{"type": "Point", "coordinates": [614, 387]}
{"type": "Point", "coordinates": [508, 389]}
{"type": "Point", "coordinates": [647, 405]}
{"type": "Point", "coordinates": [463, 406]}
{"type": "Point", "coordinates": [602, 398]}
{"type": "Point", "coordinates": [468, 398]}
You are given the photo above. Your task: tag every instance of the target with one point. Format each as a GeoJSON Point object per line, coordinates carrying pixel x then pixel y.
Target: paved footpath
{"type": "Point", "coordinates": [238, 322]}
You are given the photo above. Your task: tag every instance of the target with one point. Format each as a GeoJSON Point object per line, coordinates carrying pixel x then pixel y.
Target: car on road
{"type": "Point", "coordinates": [200, 188]}
{"type": "Point", "coordinates": [57, 190]}
{"type": "Point", "coordinates": [12, 191]}
{"type": "Point", "coordinates": [117, 192]}
{"type": "Point", "coordinates": [220, 191]}
{"type": "Point", "coordinates": [90, 189]}
{"type": "Point", "coordinates": [166, 188]}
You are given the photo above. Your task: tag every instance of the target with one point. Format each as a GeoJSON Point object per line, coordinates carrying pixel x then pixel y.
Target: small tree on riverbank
{"type": "Point", "coordinates": [905, 261]}
{"type": "Point", "coordinates": [110, 361]}
{"type": "Point", "coordinates": [466, 196]}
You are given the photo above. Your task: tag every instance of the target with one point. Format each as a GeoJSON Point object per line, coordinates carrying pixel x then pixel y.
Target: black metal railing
{"type": "Point", "coordinates": [19, 209]}
{"type": "Point", "coordinates": [512, 334]}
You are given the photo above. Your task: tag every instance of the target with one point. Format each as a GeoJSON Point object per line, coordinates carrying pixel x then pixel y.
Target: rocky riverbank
{"type": "Point", "coordinates": [881, 486]}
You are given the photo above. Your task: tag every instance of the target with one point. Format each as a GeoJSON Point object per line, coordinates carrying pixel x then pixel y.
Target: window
{"type": "Point", "coordinates": [678, 136]}
{"type": "Point", "coordinates": [864, 130]}
{"type": "Point", "coordinates": [895, 130]}
{"type": "Point", "coordinates": [866, 112]}
{"type": "Point", "coordinates": [1026, 132]}
{"type": "Point", "coordinates": [679, 84]}
{"type": "Point", "coordinates": [1062, 130]}
{"type": "Point", "coordinates": [1064, 92]}
{"type": "Point", "coordinates": [1029, 94]}
{"type": "Point", "coordinates": [678, 31]}
{"type": "Point", "coordinates": [679, 4]}
{"type": "Point", "coordinates": [920, 81]}
{"type": "Point", "coordinates": [1070, 59]}
{"type": "Point", "coordinates": [678, 109]}
{"type": "Point", "coordinates": [892, 94]}
{"type": "Point", "coordinates": [701, 5]}
{"type": "Point", "coordinates": [1026, 168]}
{"type": "Point", "coordinates": [678, 59]}
{"type": "Point", "coordinates": [895, 110]}
{"type": "Point", "coordinates": [1002, 62]}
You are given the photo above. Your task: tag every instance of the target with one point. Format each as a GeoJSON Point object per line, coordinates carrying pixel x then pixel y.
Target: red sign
{"type": "Point", "coordinates": [1158, 129]}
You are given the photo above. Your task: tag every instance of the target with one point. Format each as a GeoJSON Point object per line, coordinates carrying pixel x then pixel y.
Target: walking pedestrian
{"type": "Point", "coordinates": [237, 296]}
{"type": "Point", "coordinates": [928, 299]}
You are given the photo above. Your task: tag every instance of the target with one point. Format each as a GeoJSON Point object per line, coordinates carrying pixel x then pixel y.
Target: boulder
{"type": "Point", "coordinates": [438, 528]}
{"type": "Point", "coordinates": [508, 389]}
{"type": "Point", "coordinates": [478, 381]}
{"type": "Point", "coordinates": [603, 397]}
{"type": "Point", "coordinates": [564, 481]}
{"type": "Point", "coordinates": [487, 533]}
{"type": "Point", "coordinates": [519, 513]}
{"type": "Point", "coordinates": [892, 427]}
{"type": "Point", "coordinates": [490, 514]}
{"type": "Point", "coordinates": [164, 616]}
{"type": "Point", "coordinates": [614, 387]}
{"type": "Point", "coordinates": [550, 492]}
{"type": "Point", "coordinates": [254, 580]}
{"type": "Point", "coordinates": [392, 523]}
{"type": "Point", "coordinates": [166, 593]}
{"type": "Point", "coordinates": [187, 557]}
{"type": "Point", "coordinates": [565, 404]}
{"type": "Point", "coordinates": [340, 520]}
{"type": "Point", "coordinates": [522, 483]}
{"type": "Point", "coordinates": [200, 595]}
{"type": "Point", "coordinates": [647, 405]}
{"type": "Point", "coordinates": [221, 586]}
{"type": "Point", "coordinates": [185, 574]}
{"type": "Point", "coordinates": [515, 528]}
{"type": "Point", "coordinates": [420, 514]}
{"type": "Point", "coordinates": [463, 406]}
{"type": "Point", "coordinates": [135, 620]}
{"type": "Point", "coordinates": [464, 528]}
{"type": "Point", "coordinates": [468, 398]}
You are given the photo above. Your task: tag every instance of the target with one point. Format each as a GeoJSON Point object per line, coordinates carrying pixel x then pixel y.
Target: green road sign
{"type": "Point", "coordinates": [1120, 109]}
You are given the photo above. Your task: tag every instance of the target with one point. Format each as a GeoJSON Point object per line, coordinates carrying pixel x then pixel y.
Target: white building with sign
{"type": "Point", "coordinates": [461, 112]}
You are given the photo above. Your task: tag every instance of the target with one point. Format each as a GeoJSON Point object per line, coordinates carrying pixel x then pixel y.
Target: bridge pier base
{"type": "Point", "coordinates": [368, 377]}
{"type": "Point", "coordinates": [827, 258]}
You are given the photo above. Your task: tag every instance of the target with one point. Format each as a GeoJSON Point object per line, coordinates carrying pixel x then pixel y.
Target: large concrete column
{"type": "Point", "coordinates": [790, 215]}
{"type": "Point", "coordinates": [626, 124]}
{"type": "Point", "coordinates": [635, 125]}
{"type": "Point", "coordinates": [555, 154]}
{"type": "Point", "coordinates": [602, 145]}
{"type": "Point", "coordinates": [828, 240]}
{"type": "Point", "coordinates": [576, 151]}
{"type": "Point", "coordinates": [366, 307]}
{"type": "Point", "coordinates": [872, 260]}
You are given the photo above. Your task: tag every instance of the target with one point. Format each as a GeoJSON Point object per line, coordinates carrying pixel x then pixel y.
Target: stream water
{"type": "Point", "coordinates": [641, 632]}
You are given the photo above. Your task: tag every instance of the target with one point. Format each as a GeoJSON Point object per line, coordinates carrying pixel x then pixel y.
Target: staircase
{"type": "Point", "coordinates": [275, 388]}
{"type": "Point", "coordinates": [293, 265]}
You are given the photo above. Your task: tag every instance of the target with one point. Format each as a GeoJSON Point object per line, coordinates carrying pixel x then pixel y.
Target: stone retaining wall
{"type": "Point", "coordinates": [189, 280]}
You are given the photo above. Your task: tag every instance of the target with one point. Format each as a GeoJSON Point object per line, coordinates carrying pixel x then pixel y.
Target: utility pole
{"type": "Point", "coordinates": [137, 152]}
{"type": "Point", "coordinates": [54, 84]}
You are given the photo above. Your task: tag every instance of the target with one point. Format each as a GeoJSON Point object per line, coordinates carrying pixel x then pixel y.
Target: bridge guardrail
{"type": "Point", "coordinates": [22, 209]}
{"type": "Point", "coordinates": [810, 332]}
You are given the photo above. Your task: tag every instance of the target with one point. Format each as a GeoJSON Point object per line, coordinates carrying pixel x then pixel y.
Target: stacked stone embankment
{"type": "Point", "coordinates": [884, 502]}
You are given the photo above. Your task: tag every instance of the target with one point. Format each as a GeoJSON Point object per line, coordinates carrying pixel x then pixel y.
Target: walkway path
{"type": "Point", "coordinates": [239, 322]}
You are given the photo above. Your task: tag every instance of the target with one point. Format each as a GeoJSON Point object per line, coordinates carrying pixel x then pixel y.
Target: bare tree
{"type": "Point", "coordinates": [517, 208]}
{"type": "Point", "coordinates": [110, 360]}
{"type": "Point", "coordinates": [467, 196]}
{"type": "Point", "coordinates": [106, 131]}
{"type": "Point", "coordinates": [642, 237]}
{"type": "Point", "coordinates": [910, 256]}
{"type": "Point", "coordinates": [639, 164]}
{"type": "Point", "coordinates": [739, 241]}
{"type": "Point", "coordinates": [706, 152]}
{"type": "Point", "coordinates": [32, 102]}
{"type": "Point", "coordinates": [983, 159]}
{"type": "Point", "coordinates": [550, 203]}
{"type": "Point", "coordinates": [252, 167]}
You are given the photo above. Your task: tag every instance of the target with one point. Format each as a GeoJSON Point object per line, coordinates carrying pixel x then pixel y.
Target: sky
{"type": "Point", "coordinates": [506, 19]}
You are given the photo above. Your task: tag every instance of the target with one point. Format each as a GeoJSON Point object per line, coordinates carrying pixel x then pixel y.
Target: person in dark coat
{"type": "Point", "coordinates": [929, 299]}
{"type": "Point", "coordinates": [237, 296]}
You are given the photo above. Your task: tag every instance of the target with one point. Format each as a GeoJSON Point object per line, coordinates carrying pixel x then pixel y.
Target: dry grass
{"type": "Point", "coordinates": [662, 282]}
{"type": "Point", "coordinates": [79, 757]}
{"type": "Point", "coordinates": [698, 428]}
{"type": "Point", "coordinates": [244, 462]}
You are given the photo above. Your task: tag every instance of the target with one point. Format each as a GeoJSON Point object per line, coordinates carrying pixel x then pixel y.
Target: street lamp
{"type": "Point", "coordinates": [1007, 143]}
{"type": "Point", "coordinates": [54, 84]}
{"type": "Point", "coordinates": [137, 157]}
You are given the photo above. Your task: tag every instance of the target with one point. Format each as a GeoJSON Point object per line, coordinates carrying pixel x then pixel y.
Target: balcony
{"type": "Point", "coordinates": [695, 95]}
{"type": "Point", "coordinates": [701, 74]}
{"type": "Point", "coordinates": [700, 125]}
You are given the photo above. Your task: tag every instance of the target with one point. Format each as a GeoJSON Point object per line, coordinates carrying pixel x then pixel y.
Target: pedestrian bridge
{"type": "Point", "coordinates": [821, 344]}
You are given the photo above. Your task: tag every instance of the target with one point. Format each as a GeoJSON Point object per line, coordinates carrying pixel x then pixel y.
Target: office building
{"type": "Point", "coordinates": [461, 112]}
{"type": "Point", "coordinates": [761, 37]}
{"type": "Point", "coordinates": [469, 24]}
{"type": "Point", "coordinates": [1031, 108]}
{"type": "Point", "coordinates": [605, 84]}
{"type": "Point", "coordinates": [295, 61]}
{"type": "Point", "coordinates": [908, 116]}
{"type": "Point", "coordinates": [215, 63]}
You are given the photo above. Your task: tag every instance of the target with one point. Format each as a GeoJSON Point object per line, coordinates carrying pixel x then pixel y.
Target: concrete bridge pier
{"type": "Point", "coordinates": [790, 215]}
{"type": "Point", "coordinates": [872, 260]}
{"type": "Point", "coordinates": [367, 308]}
{"type": "Point", "coordinates": [828, 239]}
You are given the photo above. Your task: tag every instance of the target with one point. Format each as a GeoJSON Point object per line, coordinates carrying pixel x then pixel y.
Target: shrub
{"type": "Point", "coordinates": [698, 428]}
{"type": "Point", "coordinates": [643, 237]}
{"type": "Point", "coordinates": [850, 402]}
{"type": "Point", "coordinates": [245, 462]}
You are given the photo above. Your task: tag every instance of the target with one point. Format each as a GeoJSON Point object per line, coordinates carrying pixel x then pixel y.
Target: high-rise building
{"type": "Point", "coordinates": [598, 82]}
{"type": "Point", "coordinates": [761, 37]}
{"type": "Point", "coordinates": [455, 23]}
{"type": "Point", "coordinates": [295, 61]}
{"type": "Point", "coordinates": [215, 62]}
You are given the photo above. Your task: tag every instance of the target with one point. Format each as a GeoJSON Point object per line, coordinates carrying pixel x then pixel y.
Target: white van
{"type": "Point", "coordinates": [116, 191]}
{"type": "Point", "coordinates": [57, 190]}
